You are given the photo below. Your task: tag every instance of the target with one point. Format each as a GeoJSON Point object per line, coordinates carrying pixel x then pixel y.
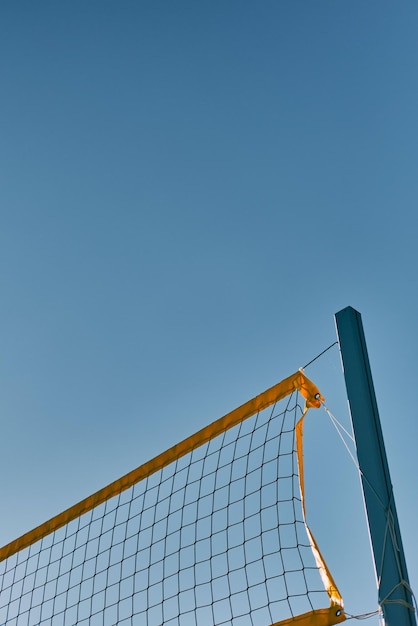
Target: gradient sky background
{"type": "Point", "coordinates": [189, 191]}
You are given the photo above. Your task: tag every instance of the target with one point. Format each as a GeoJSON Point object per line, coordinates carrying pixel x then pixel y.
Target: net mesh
{"type": "Point", "coordinates": [215, 537]}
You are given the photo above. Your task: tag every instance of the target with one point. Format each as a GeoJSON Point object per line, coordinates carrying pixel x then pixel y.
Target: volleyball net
{"type": "Point", "coordinates": [211, 532]}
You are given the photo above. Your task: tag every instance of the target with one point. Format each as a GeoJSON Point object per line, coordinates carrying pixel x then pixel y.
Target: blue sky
{"type": "Point", "coordinates": [188, 192]}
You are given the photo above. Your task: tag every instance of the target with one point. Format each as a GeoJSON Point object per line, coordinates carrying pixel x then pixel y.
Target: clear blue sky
{"type": "Point", "coordinates": [188, 192]}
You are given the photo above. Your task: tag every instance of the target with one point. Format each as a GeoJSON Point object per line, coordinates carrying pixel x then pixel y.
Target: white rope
{"type": "Point", "coordinates": [402, 583]}
{"type": "Point", "coordinates": [337, 427]}
{"type": "Point", "coordinates": [335, 421]}
{"type": "Point", "coordinates": [364, 615]}
{"type": "Point", "coordinates": [337, 424]}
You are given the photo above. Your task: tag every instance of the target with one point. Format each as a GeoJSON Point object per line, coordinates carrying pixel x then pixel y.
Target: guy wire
{"type": "Point", "coordinates": [317, 357]}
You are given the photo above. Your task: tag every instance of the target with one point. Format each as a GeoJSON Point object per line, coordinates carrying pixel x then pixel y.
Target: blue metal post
{"type": "Point", "coordinates": [393, 588]}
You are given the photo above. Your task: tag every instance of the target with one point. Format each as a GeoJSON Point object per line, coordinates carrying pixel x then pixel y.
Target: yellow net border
{"type": "Point", "coordinates": [330, 616]}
